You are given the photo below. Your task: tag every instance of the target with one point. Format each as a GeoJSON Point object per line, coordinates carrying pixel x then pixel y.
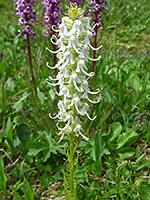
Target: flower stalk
{"type": "Point", "coordinates": [27, 17]}
{"type": "Point", "coordinates": [51, 18]}
{"type": "Point", "coordinates": [71, 164]}
{"type": "Point", "coordinates": [116, 26]}
{"type": "Point", "coordinates": [31, 66]}
{"type": "Point", "coordinates": [24, 9]}
{"type": "Point", "coordinates": [96, 7]}
{"type": "Point", "coordinates": [73, 40]}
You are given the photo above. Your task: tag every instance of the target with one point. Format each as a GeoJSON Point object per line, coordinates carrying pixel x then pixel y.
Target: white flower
{"type": "Point", "coordinates": [73, 55]}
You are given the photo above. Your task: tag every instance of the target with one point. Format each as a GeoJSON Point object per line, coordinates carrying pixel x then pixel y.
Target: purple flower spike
{"type": "Point", "coordinates": [51, 16]}
{"type": "Point", "coordinates": [27, 16]}
{"type": "Point", "coordinates": [96, 7]}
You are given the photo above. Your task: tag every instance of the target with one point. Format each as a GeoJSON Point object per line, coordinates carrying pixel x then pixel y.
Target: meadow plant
{"type": "Point", "coordinates": [96, 8]}
{"type": "Point", "coordinates": [73, 55]}
{"type": "Point", "coordinates": [51, 18]}
{"type": "Point", "coordinates": [27, 18]}
{"type": "Point", "coordinates": [51, 15]}
{"type": "Point", "coordinates": [24, 9]}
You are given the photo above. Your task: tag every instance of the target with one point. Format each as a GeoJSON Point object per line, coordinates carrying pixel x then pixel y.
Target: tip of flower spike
{"type": "Point", "coordinates": [74, 12]}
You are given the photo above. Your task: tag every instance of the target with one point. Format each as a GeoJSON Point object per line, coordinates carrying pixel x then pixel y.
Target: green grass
{"type": "Point", "coordinates": [114, 164]}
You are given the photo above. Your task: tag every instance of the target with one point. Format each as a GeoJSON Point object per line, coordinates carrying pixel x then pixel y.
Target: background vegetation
{"type": "Point", "coordinates": [114, 164]}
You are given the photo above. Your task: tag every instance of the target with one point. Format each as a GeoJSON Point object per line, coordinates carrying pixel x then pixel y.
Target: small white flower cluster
{"type": "Point", "coordinates": [72, 78]}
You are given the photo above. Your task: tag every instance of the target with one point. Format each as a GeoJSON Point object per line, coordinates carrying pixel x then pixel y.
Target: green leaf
{"type": "Point", "coordinates": [106, 151]}
{"type": "Point", "coordinates": [29, 159]}
{"type": "Point", "coordinates": [10, 85]}
{"type": "Point", "coordinates": [126, 152]}
{"type": "Point", "coordinates": [8, 130]}
{"type": "Point", "coordinates": [134, 82]}
{"type": "Point", "coordinates": [145, 164]}
{"type": "Point", "coordinates": [145, 192]}
{"type": "Point", "coordinates": [90, 149]}
{"type": "Point", "coordinates": [125, 138]}
{"type": "Point", "coordinates": [37, 147]}
{"type": "Point", "coordinates": [99, 150]}
{"type": "Point", "coordinates": [18, 105]}
{"type": "Point", "coordinates": [24, 133]}
{"type": "Point", "coordinates": [108, 95]}
{"type": "Point", "coordinates": [125, 117]}
{"type": "Point", "coordinates": [48, 137]}
{"type": "Point", "coordinates": [145, 81]}
{"type": "Point", "coordinates": [15, 40]}
{"type": "Point", "coordinates": [17, 186]}
{"type": "Point", "coordinates": [28, 192]}
{"type": "Point", "coordinates": [58, 176]}
{"type": "Point", "coordinates": [82, 144]}
{"type": "Point", "coordinates": [10, 52]}
{"type": "Point", "coordinates": [47, 154]}
{"type": "Point", "coordinates": [137, 162]}
{"type": "Point", "coordinates": [41, 96]}
{"type": "Point", "coordinates": [18, 120]}
{"type": "Point", "coordinates": [16, 196]}
{"type": "Point", "coordinates": [99, 145]}
{"type": "Point", "coordinates": [114, 131]}
{"type": "Point", "coordinates": [3, 178]}
{"type": "Point", "coordinates": [52, 94]}
{"type": "Point", "coordinates": [138, 182]}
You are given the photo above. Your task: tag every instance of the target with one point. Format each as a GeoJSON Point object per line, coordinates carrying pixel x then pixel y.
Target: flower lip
{"type": "Point", "coordinates": [85, 82]}
{"type": "Point", "coordinates": [67, 54]}
{"type": "Point", "coordinates": [81, 63]}
{"type": "Point", "coordinates": [64, 90]}
{"type": "Point", "coordinates": [61, 106]}
{"type": "Point", "coordinates": [61, 27]}
{"type": "Point", "coordinates": [78, 23]}
{"type": "Point", "coordinates": [74, 76]}
{"type": "Point", "coordinates": [68, 117]}
{"type": "Point", "coordinates": [58, 42]}
{"type": "Point", "coordinates": [78, 128]}
{"type": "Point", "coordinates": [61, 68]}
{"type": "Point", "coordinates": [86, 47]}
{"type": "Point", "coordinates": [76, 100]}
{"type": "Point", "coordinates": [89, 33]}
{"type": "Point", "coordinates": [86, 106]}
{"type": "Point", "coordinates": [72, 38]}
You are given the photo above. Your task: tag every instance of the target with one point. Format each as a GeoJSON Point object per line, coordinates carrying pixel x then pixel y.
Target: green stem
{"type": "Point", "coordinates": [3, 101]}
{"type": "Point", "coordinates": [116, 27]}
{"type": "Point", "coordinates": [71, 164]}
{"type": "Point", "coordinates": [3, 97]}
{"type": "Point", "coordinates": [116, 32]}
{"type": "Point", "coordinates": [30, 62]}
{"type": "Point", "coordinates": [71, 156]}
{"type": "Point", "coordinates": [39, 111]}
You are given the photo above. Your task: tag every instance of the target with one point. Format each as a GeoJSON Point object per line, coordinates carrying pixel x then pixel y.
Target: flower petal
{"type": "Point", "coordinates": [62, 129]}
{"type": "Point", "coordinates": [52, 51]}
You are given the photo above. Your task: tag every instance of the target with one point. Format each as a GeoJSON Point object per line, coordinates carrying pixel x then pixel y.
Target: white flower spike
{"type": "Point", "coordinates": [73, 55]}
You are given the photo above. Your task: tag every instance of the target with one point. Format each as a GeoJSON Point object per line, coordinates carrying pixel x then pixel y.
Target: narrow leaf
{"type": "Point", "coordinates": [16, 196]}
{"type": "Point", "coordinates": [126, 152]}
{"type": "Point", "coordinates": [28, 192]}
